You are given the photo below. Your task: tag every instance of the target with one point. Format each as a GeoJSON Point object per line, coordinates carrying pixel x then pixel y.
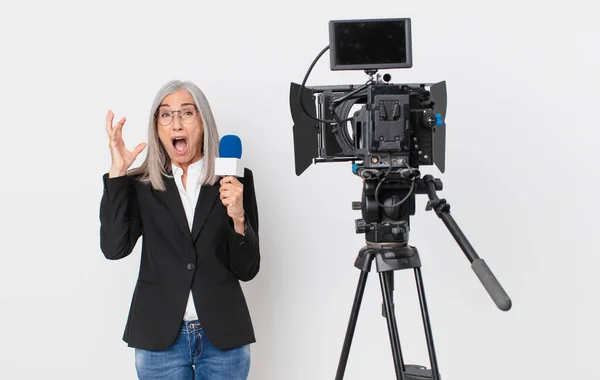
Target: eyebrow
{"type": "Point", "coordinates": [182, 105]}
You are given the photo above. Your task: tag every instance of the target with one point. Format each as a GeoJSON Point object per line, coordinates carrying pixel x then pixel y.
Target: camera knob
{"type": "Point", "coordinates": [361, 226]}
{"type": "Point", "coordinates": [429, 120]}
{"type": "Point", "coordinates": [356, 205]}
{"type": "Point", "coordinates": [398, 230]}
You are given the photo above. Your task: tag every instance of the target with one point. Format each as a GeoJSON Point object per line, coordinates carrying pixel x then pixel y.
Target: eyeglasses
{"type": "Point", "coordinates": [186, 115]}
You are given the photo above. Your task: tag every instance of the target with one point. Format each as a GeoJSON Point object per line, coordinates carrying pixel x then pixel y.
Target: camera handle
{"type": "Point", "coordinates": [481, 269]}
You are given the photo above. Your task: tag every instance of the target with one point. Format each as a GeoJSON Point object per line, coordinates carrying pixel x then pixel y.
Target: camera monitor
{"type": "Point", "coordinates": [370, 44]}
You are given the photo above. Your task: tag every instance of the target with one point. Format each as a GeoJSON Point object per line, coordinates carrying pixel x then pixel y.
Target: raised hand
{"type": "Point", "coordinates": [121, 157]}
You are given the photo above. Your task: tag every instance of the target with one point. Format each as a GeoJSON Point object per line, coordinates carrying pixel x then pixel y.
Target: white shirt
{"type": "Point", "coordinates": [189, 198]}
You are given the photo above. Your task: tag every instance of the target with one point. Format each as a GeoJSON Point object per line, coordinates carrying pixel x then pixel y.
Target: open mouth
{"type": "Point", "coordinates": [180, 145]}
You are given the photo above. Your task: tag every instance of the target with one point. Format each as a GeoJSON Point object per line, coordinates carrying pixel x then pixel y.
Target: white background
{"type": "Point", "coordinates": [521, 179]}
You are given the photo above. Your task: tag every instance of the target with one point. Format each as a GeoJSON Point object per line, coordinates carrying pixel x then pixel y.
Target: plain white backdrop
{"type": "Point", "coordinates": [522, 153]}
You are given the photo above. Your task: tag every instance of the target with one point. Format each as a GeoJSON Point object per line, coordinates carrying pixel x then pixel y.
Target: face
{"type": "Point", "coordinates": [181, 132]}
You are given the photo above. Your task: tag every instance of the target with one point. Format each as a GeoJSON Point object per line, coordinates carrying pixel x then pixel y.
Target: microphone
{"type": "Point", "coordinates": [229, 162]}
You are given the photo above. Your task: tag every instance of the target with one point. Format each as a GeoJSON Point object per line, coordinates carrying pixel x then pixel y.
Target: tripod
{"type": "Point", "coordinates": [386, 226]}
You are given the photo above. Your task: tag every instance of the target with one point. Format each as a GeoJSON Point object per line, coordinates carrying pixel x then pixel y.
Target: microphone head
{"type": "Point", "coordinates": [230, 146]}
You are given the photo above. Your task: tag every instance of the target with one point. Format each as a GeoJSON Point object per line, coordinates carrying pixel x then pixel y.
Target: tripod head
{"type": "Point", "coordinates": [388, 201]}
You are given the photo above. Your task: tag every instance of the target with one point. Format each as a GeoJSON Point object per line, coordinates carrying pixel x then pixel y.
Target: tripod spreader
{"type": "Point", "coordinates": [483, 272]}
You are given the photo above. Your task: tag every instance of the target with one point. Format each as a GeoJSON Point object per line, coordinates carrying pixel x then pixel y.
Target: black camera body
{"type": "Point", "coordinates": [398, 126]}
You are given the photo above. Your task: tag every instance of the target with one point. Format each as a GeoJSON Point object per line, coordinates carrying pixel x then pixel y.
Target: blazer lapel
{"type": "Point", "coordinates": [173, 201]}
{"type": "Point", "coordinates": [205, 204]}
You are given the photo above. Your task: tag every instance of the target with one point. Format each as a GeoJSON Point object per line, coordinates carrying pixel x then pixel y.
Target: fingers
{"type": "Point", "coordinates": [118, 129]}
{"type": "Point", "coordinates": [114, 132]}
{"type": "Point", "coordinates": [228, 187]}
{"type": "Point", "coordinates": [230, 182]}
{"type": "Point", "coordinates": [233, 196]}
{"type": "Point", "coordinates": [229, 194]}
{"type": "Point", "coordinates": [139, 148]}
{"type": "Point", "coordinates": [230, 179]}
{"type": "Point", "coordinates": [109, 119]}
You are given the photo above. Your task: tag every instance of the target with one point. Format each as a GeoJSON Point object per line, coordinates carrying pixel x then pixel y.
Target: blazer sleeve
{"type": "Point", "coordinates": [120, 220]}
{"type": "Point", "coordinates": [244, 250]}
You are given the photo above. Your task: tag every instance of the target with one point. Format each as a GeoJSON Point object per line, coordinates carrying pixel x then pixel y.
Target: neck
{"type": "Point", "coordinates": [184, 166]}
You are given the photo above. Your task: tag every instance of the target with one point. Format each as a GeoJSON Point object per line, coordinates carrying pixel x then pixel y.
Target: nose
{"type": "Point", "coordinates": [177, 126]}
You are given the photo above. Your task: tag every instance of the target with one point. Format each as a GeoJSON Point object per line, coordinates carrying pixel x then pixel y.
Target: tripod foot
{"type": "Point", "coordinates": [417, 372]}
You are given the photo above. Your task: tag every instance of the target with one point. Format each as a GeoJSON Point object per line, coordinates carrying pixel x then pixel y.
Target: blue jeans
{"type": "Point", "coordinates": [192, 357]}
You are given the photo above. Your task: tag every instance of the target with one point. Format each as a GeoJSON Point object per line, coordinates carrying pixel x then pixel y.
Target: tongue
{"type": "Point", "coordinates": [180, 145]}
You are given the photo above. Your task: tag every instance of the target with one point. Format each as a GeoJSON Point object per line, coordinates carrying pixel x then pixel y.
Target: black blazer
{"type": "Point", "coordinates": [211, 260]}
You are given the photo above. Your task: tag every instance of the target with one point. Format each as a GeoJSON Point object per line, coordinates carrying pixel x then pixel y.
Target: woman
{"type": "Point", "coordinates": [188, 317]}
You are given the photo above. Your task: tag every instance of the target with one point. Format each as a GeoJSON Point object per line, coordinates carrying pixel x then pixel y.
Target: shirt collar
{"type": "Point", "coordinates": [195, 167]}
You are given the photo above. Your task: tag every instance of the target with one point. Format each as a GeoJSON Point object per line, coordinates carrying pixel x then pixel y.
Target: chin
{"type": "Point", "coordinates": [188, 158]}
{"type": "Point", "coordinates": [177, 159]}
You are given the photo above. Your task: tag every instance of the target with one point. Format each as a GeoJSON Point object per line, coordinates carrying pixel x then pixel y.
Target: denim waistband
{"type": "Point", "coordinates": [190, 326]}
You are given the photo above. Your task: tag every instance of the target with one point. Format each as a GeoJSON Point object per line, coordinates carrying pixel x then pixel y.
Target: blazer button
{"type": "Point", "coordinates": [191, 266]}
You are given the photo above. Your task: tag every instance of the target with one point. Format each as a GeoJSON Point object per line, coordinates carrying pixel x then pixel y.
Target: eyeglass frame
{"type": "Point", "coordinates": [179, 116]}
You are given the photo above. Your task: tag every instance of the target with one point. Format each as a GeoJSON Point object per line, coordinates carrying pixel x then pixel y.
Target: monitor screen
{"type": "Point", "coordinates": [370, 44]}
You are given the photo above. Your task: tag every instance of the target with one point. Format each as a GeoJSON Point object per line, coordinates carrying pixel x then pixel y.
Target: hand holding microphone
{"type": "Point", "coordinates": [232, 197]}
{"type": "Point", "coordinates": [229, 166]}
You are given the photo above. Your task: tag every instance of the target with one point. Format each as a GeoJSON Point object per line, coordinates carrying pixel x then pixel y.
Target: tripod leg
{"type": "Point", "coordinates": [360, 289]}
{"type": "Point", "coordinates": [389, 282]}
{"type": "Point", "coordinates": [391, 323]}
{"type": "Point", "coordinates": [427, 325]}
